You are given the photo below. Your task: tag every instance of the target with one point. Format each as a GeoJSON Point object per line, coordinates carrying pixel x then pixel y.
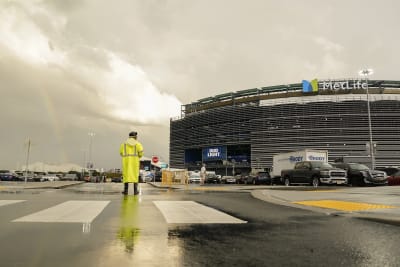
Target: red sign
{"type": "Point", "coordinates": [154, 159]}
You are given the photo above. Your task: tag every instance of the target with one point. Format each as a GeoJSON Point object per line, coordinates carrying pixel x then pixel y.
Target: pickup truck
{"type": "Point", "coordinates": [313, 172]}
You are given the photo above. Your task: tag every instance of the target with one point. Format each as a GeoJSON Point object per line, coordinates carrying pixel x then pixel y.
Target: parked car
{"type": "Point", "coordinates": [212, 179]}
{"type": "Point", "coordinates": [241, 178]}
{"type": "Point", "coordinates": [228, 179]}
{"type": "Point", "coordinates": [194, 178]}
{"type": "Point", "coordinates": [259, 178]}
{"type": "Point", "coordinates": [95, 179]}
{"type": "Point", "coordinates": [116, 179]}
{"type": "Point", "coordinates": [70, 177]}
{"type": "Point", "coordinates": [394, 178]}
{"type": "Point", "coordinates": [9, 177]}
{"type": "Point", "coordinates": [149, 177]}
{"type": "Point", "coordinates": [389, 170]}
{"type": "Point", "coordinates": [50, 178]}
{"type": "Point", "coordinates": [360, 174]}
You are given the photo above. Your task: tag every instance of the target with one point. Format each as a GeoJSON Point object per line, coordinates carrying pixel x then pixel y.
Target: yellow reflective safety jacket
{"type": "Point", "coordinates": [131, 151]}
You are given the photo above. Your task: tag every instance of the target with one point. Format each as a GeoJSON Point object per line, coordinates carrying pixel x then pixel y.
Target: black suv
{"type": "Point", "coordinates": [259, 178]}
{"type": "Point", "coordinates": [212, 179]}
{"type": "Point", "coordinates": [360, 174]}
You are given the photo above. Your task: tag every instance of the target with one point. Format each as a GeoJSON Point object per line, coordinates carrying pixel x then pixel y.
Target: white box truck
{"type": "Point", "coordinates": [287, 160]}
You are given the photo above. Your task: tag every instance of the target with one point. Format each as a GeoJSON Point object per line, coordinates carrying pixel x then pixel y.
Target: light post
{"type": "Point", "coordinates": [84, 164]}
{"type": "Point", "coordinates": [27, 160]}
{"type": "Point", "coordinates": [90, 164]}
{"type": "Point", "coordinates": [366, 73]}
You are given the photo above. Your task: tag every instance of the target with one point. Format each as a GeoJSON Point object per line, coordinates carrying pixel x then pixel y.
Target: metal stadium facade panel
{"type": "Point", "coordinates": [237, 131]}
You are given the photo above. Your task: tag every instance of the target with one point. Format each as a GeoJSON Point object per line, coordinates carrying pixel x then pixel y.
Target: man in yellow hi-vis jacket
{"type": "Point", "coordinates": [131, 151]}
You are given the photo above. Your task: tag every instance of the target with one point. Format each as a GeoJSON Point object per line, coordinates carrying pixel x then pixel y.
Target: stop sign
{"type": "Point", "coordinates": [154, 159]}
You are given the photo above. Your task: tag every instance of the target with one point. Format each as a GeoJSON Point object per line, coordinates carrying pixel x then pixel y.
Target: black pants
{"type": "Point", "coordinates": [135, 188]}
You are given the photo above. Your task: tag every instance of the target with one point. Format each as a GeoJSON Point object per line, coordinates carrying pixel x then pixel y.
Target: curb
{"type": "Point", "coordinates": [20, 187]}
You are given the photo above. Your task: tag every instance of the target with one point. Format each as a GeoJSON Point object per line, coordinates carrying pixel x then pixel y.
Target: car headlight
{"type": "Point", "coordinates": [365, 173]}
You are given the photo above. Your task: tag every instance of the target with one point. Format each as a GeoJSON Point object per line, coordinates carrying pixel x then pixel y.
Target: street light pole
{"type": "Point", "coordinates": [365, 73]}
{"type": "Point", "coordinates": [27, 160]}
{"type": "Point", "coordinates": [90, 155]}
{"type": "Point", "coordinates": [84, 165]}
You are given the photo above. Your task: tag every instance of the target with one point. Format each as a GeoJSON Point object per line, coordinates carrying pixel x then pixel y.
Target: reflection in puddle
{"type": "Point", "coordinates": [129, 232]}
{"type": "Point", "coordinates": [129, 237]}
{"type": "Point", "coordinates": [86, 227]}
{"type": "Point", "coordinates": [140, 237]}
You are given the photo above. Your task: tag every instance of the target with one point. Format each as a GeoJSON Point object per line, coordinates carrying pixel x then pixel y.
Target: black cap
{"type": "Point", "coordinates": [132, 134]}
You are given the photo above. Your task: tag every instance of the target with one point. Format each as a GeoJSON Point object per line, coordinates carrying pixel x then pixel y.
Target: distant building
{"type": "Point", "coordinates": [244, 129]}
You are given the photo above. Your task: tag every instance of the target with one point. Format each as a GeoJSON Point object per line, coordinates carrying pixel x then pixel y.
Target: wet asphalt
{"type": "Point", "coordinates": [132, 232]}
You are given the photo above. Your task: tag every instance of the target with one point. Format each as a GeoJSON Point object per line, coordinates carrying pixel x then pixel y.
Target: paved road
{"type": "Point", "coordinates": [376, 203]}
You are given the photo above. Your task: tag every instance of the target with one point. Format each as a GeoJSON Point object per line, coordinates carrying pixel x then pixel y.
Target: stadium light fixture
{"type": "Point", "coordinates": [366, 73]}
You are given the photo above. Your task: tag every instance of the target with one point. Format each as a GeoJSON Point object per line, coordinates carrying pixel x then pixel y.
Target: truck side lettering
{"type": "Point", "coordinates": [316, 158]}
{"type": "Point", "coordinates": [295, 159]}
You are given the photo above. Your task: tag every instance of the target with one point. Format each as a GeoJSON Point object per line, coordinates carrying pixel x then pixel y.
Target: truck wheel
{"type": "Point", "coordinates": [315, 181]}
{"type": "Point", "coordinates": [287, 181]}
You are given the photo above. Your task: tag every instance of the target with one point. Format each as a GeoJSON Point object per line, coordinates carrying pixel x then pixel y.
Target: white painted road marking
{"type": "Point", "coordinates": [8, 202]}
{"type": "Point", "coordinates": [69, 212]}
{"type": "Point", "coordinates": [192, 212]}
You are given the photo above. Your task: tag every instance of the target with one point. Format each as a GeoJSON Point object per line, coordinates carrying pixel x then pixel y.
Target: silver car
{"type": "Point", "coordinates": [194, 178]}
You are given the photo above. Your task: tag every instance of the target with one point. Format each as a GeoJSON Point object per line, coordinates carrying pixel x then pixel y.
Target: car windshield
{"type": "Point", "coordinates": [358, 167]}
{"type": "Point", "coordinates": [320, 164]}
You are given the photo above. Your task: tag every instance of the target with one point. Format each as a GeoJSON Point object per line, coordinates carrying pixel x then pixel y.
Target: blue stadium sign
{"type": "Point", "coordinates": [214, 153]}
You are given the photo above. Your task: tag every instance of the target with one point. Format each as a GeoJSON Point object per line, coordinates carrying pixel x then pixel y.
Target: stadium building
{"type": "Point", "coordinates": [238, 131]}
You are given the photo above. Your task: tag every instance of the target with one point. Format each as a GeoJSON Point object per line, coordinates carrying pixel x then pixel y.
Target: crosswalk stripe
{"type": "Point", "coordinates": [9, 202]}
{"type": "Point", "coordinates": [69, 211]}
{"type": "Point", "coordinates": [192, 212]}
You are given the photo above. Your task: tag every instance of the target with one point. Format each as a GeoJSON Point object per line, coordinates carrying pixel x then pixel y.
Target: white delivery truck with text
{"type": "Point", "coordinates": [287, 160]}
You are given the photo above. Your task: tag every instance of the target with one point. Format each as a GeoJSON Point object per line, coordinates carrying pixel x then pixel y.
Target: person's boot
{"type": "Point", "coordinates": [135, 189]}
{"type": "Point", "coordinates": [125, 192]}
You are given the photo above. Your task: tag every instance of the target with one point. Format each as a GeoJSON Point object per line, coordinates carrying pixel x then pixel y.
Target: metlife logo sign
{"type": "Point", "coordinates": [310, 86]}
{"type": "Point", "coordinates": [333, 85]}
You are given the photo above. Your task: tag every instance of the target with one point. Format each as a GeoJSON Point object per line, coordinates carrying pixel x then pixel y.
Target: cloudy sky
{"type": "Point", "coordinates": [69, 68]}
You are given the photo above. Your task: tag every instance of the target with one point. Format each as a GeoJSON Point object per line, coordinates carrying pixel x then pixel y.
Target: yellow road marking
{"type": "Point", "coordinates": [343, 205]}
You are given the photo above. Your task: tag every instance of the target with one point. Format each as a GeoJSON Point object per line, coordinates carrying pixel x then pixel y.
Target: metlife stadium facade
{"type": "Point", "coordinates": [237, 131]}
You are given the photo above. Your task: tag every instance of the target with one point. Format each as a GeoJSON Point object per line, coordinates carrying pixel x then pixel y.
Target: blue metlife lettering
{"type": "Point", "coordinates": [316, 158]}
{"type": "Point", "coordinates": [295, 159]}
